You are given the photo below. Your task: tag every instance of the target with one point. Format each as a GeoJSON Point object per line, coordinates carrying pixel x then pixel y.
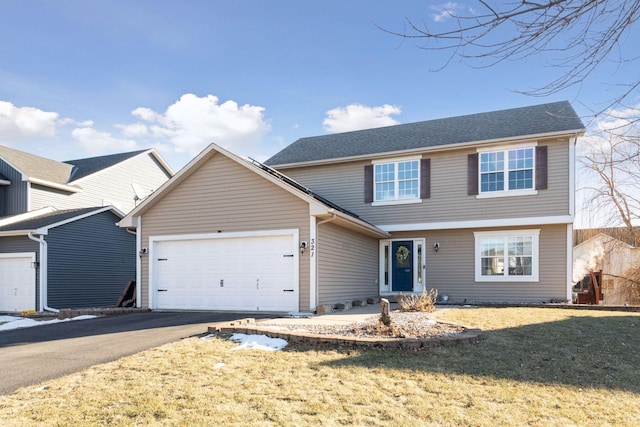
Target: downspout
{"type": "Point", "coordinates": [326, 220]}
{"type": "Point", "coordinates": [43, 272]}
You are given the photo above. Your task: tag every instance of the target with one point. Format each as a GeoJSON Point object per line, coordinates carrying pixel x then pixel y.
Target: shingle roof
{"type": "Point", "coordinates": [61, 172]}
{"type": "Point", "coordinates": [84, 167]}
{"type": "Point", "coordinates": [534, 120]}
{"type": "Point", "coordinates": [47, 219]}
{"type": "Point", "coordinates": [37, 167]}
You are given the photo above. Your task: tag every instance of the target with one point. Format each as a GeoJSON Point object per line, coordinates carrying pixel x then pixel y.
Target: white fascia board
{"type": "Point", "coordinates": [45, 230]}
{"type": "Point", "coordinates": [63, 187]}
{"type": "Point", "coordinates": [414, 151]}
{"type": "Point", "coordinates": [486, 223]}
{"type": "Point", "coordinates": [128, 222]}
{"type": "Point", "coordinates": [161, 160]}
{"type": "Point", "coordinates": [11, 233]}
{"type": "Point", "coordinates": [380, 233]}
{"type": "Point", "coordinates": [27, 215]}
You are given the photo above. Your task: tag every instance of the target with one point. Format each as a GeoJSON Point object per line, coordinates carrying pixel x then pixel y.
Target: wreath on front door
{"type": "Point", "coordinates": [402, 253]}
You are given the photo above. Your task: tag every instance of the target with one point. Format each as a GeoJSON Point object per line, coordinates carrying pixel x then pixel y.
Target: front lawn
{"type": "Point", "coordinates": [537, 366]}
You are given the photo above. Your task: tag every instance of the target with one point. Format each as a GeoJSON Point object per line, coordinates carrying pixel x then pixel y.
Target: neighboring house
{"type": "Point", "coordinates": [29, 182]}
{"type": "Point", "coordinates": [64, 259]}
{"type": "Point", "coordinates": [36, 194]}
{"type": "Point", "coordinates": [480, 207]}
{"type": "Point", "coordinates": [614, 257]}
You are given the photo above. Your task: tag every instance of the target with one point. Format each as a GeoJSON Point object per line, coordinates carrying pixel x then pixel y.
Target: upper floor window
{"type": "Point", "coordinates": [514, 173]}
{"type": "Point", "coordinates": [397, 180]}
{"type": "Point", "coordinates": [510, 171]}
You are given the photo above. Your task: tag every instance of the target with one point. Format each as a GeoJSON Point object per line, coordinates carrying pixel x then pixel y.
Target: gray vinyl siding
{"type": "Point", "coordinates": [15, 244]}
{"type": "Point", "coordinates": [343, 184]}
{"type": "Point", "coordinates": [89, 262]}
{"type": "Point", "coordinates": [111, 186]}
{"type": "Point", "coordinates": [16, 195]}
{"type": "Point", "coordinates": [224, 196]}
{"type": "Point", "coordinates": [347, 265]}
{"type": "Point", "coordinates": [451, 269]}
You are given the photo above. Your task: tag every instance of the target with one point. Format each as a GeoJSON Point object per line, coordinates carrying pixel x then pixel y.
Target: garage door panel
{"type": "Point", "coordinates": [243, 274]}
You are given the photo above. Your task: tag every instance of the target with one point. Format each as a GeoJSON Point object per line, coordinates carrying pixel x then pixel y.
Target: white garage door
{"type": "Point", "coordinates": [17, 282]}
{"type": "Point", "coordinates": [253, 273]}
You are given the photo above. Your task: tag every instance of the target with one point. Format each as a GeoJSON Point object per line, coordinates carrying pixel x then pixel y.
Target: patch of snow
{"type": "Point", "coordinates": [218, 365]}
{"type": "Point", "coordinates": [206, 337]}
{"type": "Point", "coordinates": [14, 322]}
{"type": "Point", "coordinates": [258, 342]}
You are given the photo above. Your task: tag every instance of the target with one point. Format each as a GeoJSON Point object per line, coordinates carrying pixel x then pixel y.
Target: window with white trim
{"type": "Point", "coordinates": [397, 180]}
{"type": "Point", "coordinates": [507, 256]}
{"type": "Point", "coordinates": [507, 170]}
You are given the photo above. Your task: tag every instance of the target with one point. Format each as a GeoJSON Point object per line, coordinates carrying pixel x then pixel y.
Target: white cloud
{"type": "Point", "coordinates": [96, 143]}
{"type": "Point", "coordinates": [618, 119]}
{"type": "Point", "coordinates": [358, 116]}
{"type": "Point", "coordinates": [192, 122]}
{"type": "Point", "coordinates": [135, 130]}
{"type": "Point", "coordinates": [21, 123]}
{"type": "Point", "coordinates": [444, 11]}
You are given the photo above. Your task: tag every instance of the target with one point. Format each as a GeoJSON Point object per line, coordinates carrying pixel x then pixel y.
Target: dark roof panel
{"type": "Point", "coordinates": [538, 119]}
{"type": "Point", "coordinates": [47, 219]}
{"type": "Point", "coordinates": [85, 167]}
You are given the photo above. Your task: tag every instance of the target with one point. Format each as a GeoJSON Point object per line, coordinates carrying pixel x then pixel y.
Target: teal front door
{"type": "Point", "coordinates": [402, 266]}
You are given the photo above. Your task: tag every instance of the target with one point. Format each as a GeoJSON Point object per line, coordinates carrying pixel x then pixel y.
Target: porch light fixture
{"type": "Point", "coordinates": [303, 246]}
{"type": "Point", "coordinates": [436, 246]}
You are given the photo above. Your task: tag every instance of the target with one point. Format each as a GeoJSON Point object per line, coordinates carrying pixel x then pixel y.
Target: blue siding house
{"type": "Point", "coordinates": [65, 259]}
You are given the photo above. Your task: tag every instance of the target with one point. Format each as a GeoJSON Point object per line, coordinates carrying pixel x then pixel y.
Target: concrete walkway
{"type": "Point", "coordinates": [356, 314]}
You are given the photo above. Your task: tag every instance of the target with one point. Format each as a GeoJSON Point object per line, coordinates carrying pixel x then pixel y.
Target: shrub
{"type": "Point", "coordinates": [425, 302]}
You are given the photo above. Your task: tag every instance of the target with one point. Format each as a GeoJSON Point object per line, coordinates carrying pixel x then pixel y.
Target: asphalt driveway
{"type": "Point", "coordinates": [33, 355]}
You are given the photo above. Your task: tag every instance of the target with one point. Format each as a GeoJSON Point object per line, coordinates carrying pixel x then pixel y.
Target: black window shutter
{"type": "Point", "coordinates": [425, 178]}
{"type": "Point", "coordinates": [472, 174]}
{"type": "Point", "coordinates": [368, 184]}
{"type": "Point", "coordinates": [541, 167]}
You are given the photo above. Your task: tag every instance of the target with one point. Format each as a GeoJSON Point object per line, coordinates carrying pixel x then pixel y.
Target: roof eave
{"type": "Point", "coordinates": [13, 233]}
{"type": "Point", "coordinates": [45, 230]}
{"type": "Point", "coordinates": [63, 187]}
{"type": "Point", "coordinates": [361, 225]}
{"type": "Point", "coordinates": [436, 148]}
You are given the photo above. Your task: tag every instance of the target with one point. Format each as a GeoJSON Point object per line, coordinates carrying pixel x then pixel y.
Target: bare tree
{"type": "Point", "coordinates": [612, 164]}
{"type": "Point", "coordinates": [578, 36]}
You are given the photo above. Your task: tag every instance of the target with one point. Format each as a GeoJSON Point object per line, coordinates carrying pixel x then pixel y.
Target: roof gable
{"type": "Point", "coordinates": [64, 175]}
{"type": "Point", "coordinates": [91, 165]}
{"type": "Point", "coordinates": [32, 166]}
{"type": "Point", "coordinates": [542, 119]}
{"type": "Point", "coordinates": [318, 204]}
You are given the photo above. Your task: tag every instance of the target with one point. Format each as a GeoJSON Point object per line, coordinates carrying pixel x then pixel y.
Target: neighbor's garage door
{"type": "Point", "coordinates": [17, 282]}
{"type": "Point", "coordinates": [240, 273]}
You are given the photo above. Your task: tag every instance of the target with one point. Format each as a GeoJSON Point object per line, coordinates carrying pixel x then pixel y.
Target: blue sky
{"type": "Point", "coordinates": [85, 78]}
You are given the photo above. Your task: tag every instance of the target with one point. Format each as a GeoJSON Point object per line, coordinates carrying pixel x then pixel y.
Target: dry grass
{"type": "Point", "coordinates": [425, 302]}
{"type": "Point", "coordinates": [536, 367]}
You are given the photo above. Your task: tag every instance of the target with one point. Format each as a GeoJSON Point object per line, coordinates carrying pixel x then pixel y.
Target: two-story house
{"type": "Point", "coordinates": [479, 207]}
{"type": "Point", "coordinates": [59, 246]}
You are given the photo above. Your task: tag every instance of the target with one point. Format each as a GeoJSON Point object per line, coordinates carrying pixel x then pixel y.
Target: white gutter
{"type": "Point", "coordinates": [55, 185]}
{"type": "Point", "coordinates": [43, 272]}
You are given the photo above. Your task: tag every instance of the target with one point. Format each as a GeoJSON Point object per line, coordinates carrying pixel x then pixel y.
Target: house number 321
{"type": "Point", "coordinates": [312, 247]}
